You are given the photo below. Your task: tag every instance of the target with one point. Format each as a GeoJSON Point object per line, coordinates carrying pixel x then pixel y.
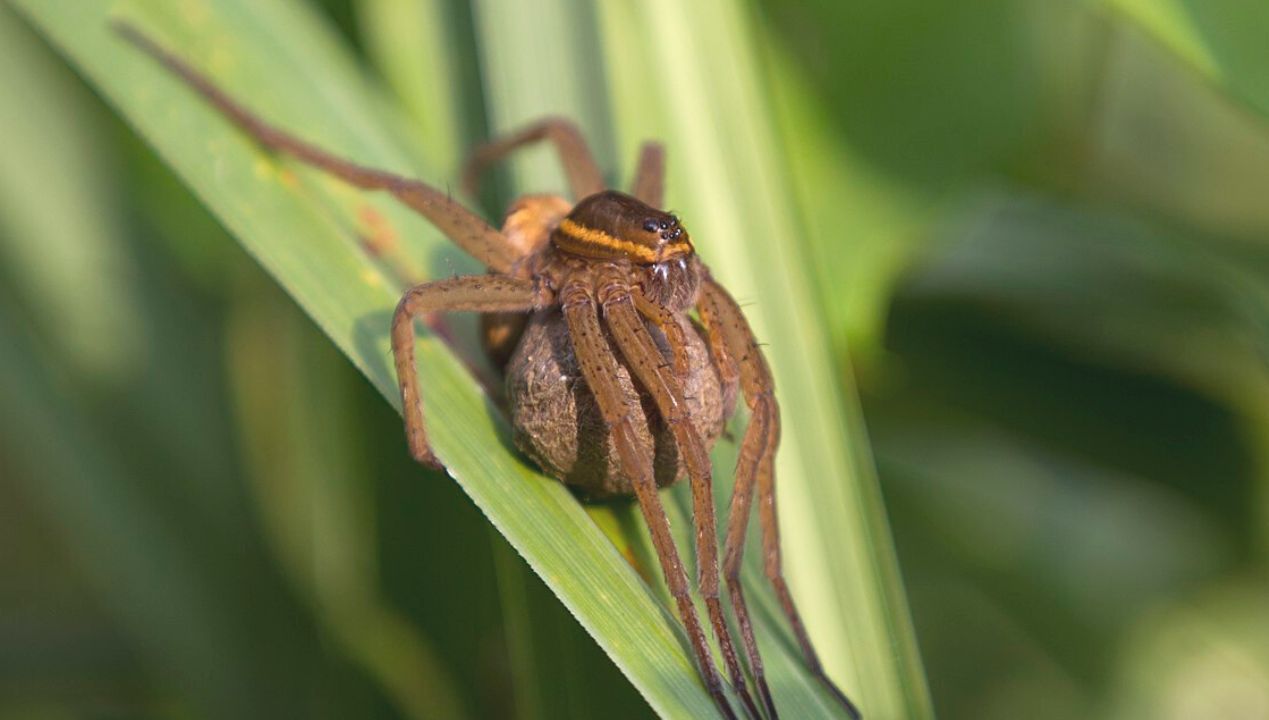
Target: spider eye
{"type": "Point", "coordinates": [650, 225]}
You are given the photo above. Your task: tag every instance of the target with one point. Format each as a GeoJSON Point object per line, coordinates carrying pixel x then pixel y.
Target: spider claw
{"type": "Point", "coordinates": [427, 458]}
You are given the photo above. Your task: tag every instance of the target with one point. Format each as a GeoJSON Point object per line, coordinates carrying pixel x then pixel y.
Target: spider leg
{"type": "Point", "coordinates": [599, 368]}
{"type": "Point", "coordinates": [660, 380]}
{"type": "Point", "coordinates": [771, 552]}
{"type": "Point", "coordinates": [584, 177]}
{"type": "Point", "coordinates": [752, 447]}
{"type": "Point", "coordinates": [477, 293]}
{"type": "Point", "coordinates": [668, 324]}
{"type": "Point", "coordinates": [725, 321]}
{"type": "Point", "coordinates": [462, 226]}
{"type": "Point", "coordinates": [755, 445]}
{"type": "Point", "coordinates": [649, 177]}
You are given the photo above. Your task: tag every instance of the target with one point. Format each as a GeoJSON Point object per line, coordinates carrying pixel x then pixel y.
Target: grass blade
{"type": "Point", "coordinates": [690, 72]}
{"type": "Point", "coordinates": [48, 143]}
{"type": "Point", "coordinates": [312, 235]}
{"type": "Point", "coordinates": [302, 229]}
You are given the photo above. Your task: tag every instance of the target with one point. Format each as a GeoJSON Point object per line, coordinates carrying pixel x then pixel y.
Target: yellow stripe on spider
{"type": "Point", "coordinates": [591, 238]}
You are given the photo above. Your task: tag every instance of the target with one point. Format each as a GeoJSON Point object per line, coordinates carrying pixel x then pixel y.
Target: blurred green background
{"type": "Point", "coordinates": [1038, 234]}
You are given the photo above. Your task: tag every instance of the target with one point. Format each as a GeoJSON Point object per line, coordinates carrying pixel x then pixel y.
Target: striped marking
{"type": "Point", "coordinates": [585, 240]}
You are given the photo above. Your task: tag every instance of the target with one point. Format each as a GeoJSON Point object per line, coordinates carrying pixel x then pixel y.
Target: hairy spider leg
{"type": "Point", "coordinates": [599, 368]}
{"type": "Point", "coordinates": [584, 177]}
{"type": "Point", "coordinates": [464, 227]}
{"type": "Point", "coordinates": [644, 359]}
{"type": "Point", "coordinates": [476, 293]}
{"type": "Point", "coordinates": [729, 331]}
{"type": "Point", "coordinates": [649, 176]}
{"type": "Point", "coordinates": [752, 447]}
{"type": "Point", "coordinates": [668, 324]}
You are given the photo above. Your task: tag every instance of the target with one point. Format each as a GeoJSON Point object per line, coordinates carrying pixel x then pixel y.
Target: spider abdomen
{"type": "Point", "coordinates": [557, 421]}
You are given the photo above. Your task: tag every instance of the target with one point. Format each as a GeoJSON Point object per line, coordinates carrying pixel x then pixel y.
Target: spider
{"type": "Point", "coordinates": [611, 386]}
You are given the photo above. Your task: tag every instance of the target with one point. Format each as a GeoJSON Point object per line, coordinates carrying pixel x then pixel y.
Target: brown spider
{"type": "Point", "coordinates": [611, 387]}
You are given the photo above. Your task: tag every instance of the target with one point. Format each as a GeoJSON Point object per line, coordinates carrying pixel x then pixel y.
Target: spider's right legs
{"type": "Point", "coordinates": [731, 336]}
{"type": "Point", "coordinates": [477, 293]}
{"type": "Point", "coordinates": [462, 226]}
{"type": "Point", "coordinates": [599, 368]}
{"type": "Point", "coordinates": [584, 177]}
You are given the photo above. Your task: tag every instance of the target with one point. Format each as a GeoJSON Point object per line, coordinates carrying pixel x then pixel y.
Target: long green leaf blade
{"type": "Point", "coordinates": [690, 71]}
{"type": "Point", "coordinates": [278, 58]}
{"type": "Point", "coordinates": [311, 234]}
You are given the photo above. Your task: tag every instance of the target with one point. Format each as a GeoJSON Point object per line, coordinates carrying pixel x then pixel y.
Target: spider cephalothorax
{"type": "Point", "coordinates": [651, 245]}
{"type": "Point", "coordinates": [610, 225]}
{"type": "Point", "coordinates": [611, 386]}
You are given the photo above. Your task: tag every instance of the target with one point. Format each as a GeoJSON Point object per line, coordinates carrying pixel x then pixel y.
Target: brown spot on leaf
{"type": "Point", "coordinates": [377, 235]}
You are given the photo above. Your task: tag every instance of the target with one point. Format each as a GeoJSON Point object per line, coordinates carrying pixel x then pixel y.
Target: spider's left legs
{"type": "Point", "coordinates": [731, 336]}
{"type": "Point", "coordinates": [477, 293]}
{"type": "Point", "coordinates": [459, 224]}
{"type": "Point", "coordinates": [599, 368]}
{"type": "Point", "coordinates": [661, 380]}
{"type": "Point", "coordinates": [584, 177]}
{"type": "Point", "coordinates": [649, 178]}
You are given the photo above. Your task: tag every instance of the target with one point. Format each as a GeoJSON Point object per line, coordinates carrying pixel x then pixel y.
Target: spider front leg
{"type": "Point", "coordinates": [599, 368]}
{"type": "Point", "coordinates": [668, 324]}
{"type": "Point", "coordinates": [476, 293]}
{"type": "Point", "coordinates": [584, 177]}
{"type": "Point", "coordinates": [459, 224]}
{"type": "Point", "coordinates": [662, 382]}
{"type": "Point", "coordinates": [730, 334]}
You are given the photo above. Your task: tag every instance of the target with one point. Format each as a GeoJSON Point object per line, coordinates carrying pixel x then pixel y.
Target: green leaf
{"type": "Point", "coordinates": [50, 241]}
{"type": "Point", "coordinates": [690, 71]}
{"type": "Point", "coordinates": [313, 502]}
{"type": "Point", "coordinates": [415, 45]}
{"type": "Point", "coordinates": [1222, 39]}
{"type": "Point", "coordinates": [312, 234]}
{"type": "Point", "coordinates": [1166, 304]}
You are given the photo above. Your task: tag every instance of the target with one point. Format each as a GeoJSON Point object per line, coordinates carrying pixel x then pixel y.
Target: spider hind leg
{"type": "Point", "coordinates": [584, 177]}
{"type": "Point", "coordinates": [732, 338]}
